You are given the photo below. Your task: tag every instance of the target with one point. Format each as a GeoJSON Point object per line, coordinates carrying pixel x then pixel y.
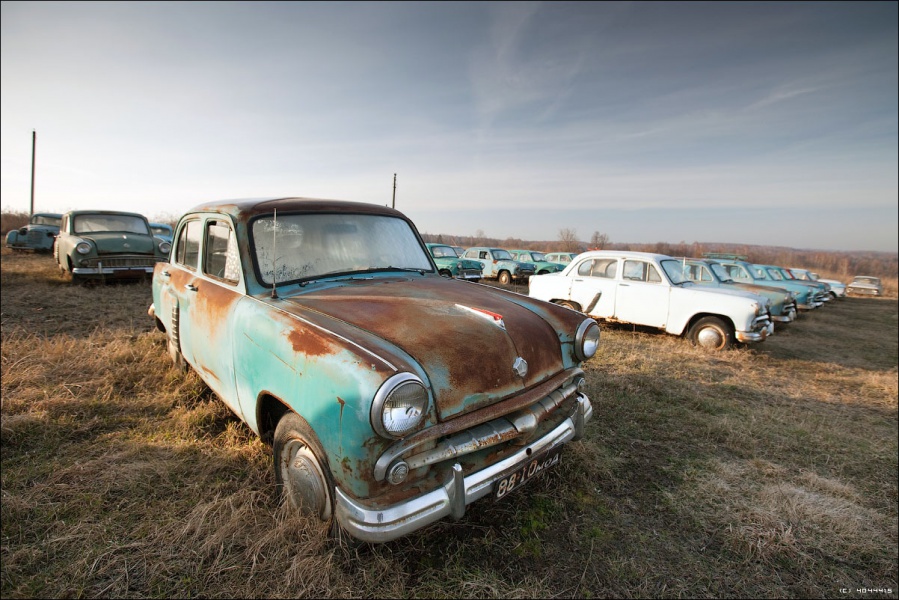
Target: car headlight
{"type": "Point", "coordinates": [83, 248]}
{"type": "Point", "coordinates": [165, 247]}
{"type": "Point", "coordinates": [399, 406]}
{"type": "Point", "coordinates": [586, 340]}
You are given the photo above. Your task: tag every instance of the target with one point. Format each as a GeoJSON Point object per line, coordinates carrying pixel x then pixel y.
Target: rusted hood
{"type": "Point", "coordinates": [108, 242]}
{"type": "Point", "coordinates": [465, 336]}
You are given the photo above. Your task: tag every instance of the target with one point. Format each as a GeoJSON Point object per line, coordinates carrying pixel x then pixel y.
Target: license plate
{"type": "Point", "coordinates": [529, 469]}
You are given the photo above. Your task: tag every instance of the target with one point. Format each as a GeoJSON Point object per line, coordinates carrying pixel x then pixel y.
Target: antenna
{"type": "Point", "coordinates": [275, 255]}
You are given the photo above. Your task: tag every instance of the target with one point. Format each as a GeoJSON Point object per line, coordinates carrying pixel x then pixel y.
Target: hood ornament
{"type": "Point", "coordinates": [520, 367]}
{"type": "Point", "coordinates": [493, 317]}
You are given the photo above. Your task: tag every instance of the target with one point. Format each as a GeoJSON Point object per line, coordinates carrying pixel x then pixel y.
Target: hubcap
{"type": "Point", "coordinates": [709, 337]}
{"type": "Point", "coordinates": [304, 481]}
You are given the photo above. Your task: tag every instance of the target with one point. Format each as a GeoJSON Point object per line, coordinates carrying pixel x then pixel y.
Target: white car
{"type": "Point", "coordinates": [837, 288]}
{"type": "Point", "coordinates": [650, 289]}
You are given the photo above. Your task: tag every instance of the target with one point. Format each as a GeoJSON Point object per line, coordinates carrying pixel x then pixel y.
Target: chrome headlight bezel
{"type": "Point", "coordinates": [83, 247]}
{"type": "Point", "coordinates": [381, 409]}
{"type": "Point", "coordinates": [165, 247]}
{"type": "Point", "coordinates": [586, 339]}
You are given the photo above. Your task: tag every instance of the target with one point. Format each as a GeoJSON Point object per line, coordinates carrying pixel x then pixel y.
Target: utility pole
{"type": "Point", "coordinates": [33, 145]}
{"type": "Point", "coordinates": [394, 192]}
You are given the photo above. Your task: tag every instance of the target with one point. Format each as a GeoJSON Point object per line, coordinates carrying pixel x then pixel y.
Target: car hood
{"type": "Point", "coordinates": [109, 242]}
{"type": "Point", "coordinates": [464, 336]}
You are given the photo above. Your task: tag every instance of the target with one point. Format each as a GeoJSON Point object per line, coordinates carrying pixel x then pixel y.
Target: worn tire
{"type": "Point", "coordinates": [505, 277]}
{"type": "Point", "coordinates": [568, 304]}
{"type": "Point", "coordinates": [712, 333]}
{"type": "Point", "coordinates": [301, 469]}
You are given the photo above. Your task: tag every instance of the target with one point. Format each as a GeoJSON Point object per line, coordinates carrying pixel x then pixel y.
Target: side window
{"type": "Point", "coordinates": [482, 254]}
{"type": "Point", "coordinates": [221, 259]}
{"type": "Point", "coordinates": [633, 270]}
{"type": "Point", "coordinates": [606, 268]}
{"type": "Point", "coordinates": [585, 268]}
{"type": "Point", "coordinates": [705, 275]}
{"type": "Point", "coordinates": [652, 275]}
{"type": "Point", "coordinates": [188, 251]}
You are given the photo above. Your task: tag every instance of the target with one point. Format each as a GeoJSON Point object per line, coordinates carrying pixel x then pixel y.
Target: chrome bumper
{"type": "Point", "coordinates": [755, 336]}
{"type": "Point", "coordinates": [385, 524]}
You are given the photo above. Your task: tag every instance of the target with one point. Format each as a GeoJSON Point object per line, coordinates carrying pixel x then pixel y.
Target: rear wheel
{"type": "Point", "coordinates": [505, 277]}
{"type": "Point", "coordinates": [712, 333]}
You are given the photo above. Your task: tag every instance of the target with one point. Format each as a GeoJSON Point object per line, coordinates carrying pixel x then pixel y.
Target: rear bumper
{"type": "Point", "coordinates": [388, 523]}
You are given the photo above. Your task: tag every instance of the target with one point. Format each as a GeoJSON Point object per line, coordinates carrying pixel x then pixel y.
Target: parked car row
{"type": "Point", "coordinates": [343, 340]}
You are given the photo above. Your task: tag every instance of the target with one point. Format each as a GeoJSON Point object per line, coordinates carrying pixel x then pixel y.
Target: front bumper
{"type": "Point", "coordinates": [755, 336]}
{"type": "Point", "coordinates": [385, 524]}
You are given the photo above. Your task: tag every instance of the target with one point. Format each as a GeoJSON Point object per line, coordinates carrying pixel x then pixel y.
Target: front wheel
{"type": "Point", "coordinates": [301, 471]}
{"type": "Point", "coordinates": [568, 304]}
{"type": "Point", "coordinates": [505, 278]}
{"type": "Point", "coordinates": [712, 333]}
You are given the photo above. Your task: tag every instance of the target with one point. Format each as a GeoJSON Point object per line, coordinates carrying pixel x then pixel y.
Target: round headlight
{"type": "Point", "coordinates": [586, 340]}
{"type": "Point", "coordinates": [399, 406]}
{"type": "Point", "coordinates": [83, 248]}
{"type": "Point", "coordinates": [165, 247]}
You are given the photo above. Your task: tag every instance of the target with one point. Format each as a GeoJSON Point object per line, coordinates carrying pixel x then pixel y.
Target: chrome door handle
{"type": "Point", "coordinates": [190, 287]}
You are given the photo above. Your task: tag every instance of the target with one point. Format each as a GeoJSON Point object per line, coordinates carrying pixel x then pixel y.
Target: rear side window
{"type": "Point", "coordinates": [188, 251]}
{"type": "Point", "coordinates": [221, 260]}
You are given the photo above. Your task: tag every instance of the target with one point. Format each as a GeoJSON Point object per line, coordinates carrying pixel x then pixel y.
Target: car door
{"type": "Point", "coordinates": [206, 282]}
{"type": "Point", "coordinates": [593, 286]}
{"type": "Point", "coordinates": [643, 294]}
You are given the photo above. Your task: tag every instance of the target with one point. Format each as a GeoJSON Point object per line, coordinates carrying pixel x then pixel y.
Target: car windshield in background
{"type": "Point", "coordinates": [44, 220]}
{"type": "Point", "coordinates": [502, 255]}
{"type": "Point", "coordinates": [538, 256]}
{"type": "Point", "coordinates": [307, 246]}
{"type": "Point", "coordinates": [443, 252]}
{"type": "Point", "coordinates": [675, 270]}
{"type": "Point", "coordinates": [720, 271]}
{"type": "Point", "coordinates": [117, 223]}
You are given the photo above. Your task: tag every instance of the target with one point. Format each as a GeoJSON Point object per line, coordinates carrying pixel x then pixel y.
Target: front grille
{"type": "Point", "coordinates": [122, 261]}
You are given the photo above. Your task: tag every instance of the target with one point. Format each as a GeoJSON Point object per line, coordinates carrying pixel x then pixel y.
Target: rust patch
{"type": "Point", "coordinates": [309, 343]}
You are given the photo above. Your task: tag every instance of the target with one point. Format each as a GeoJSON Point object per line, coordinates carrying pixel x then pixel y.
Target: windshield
{"type": "Point", "coordinates": [720, 272]}
{"type": "Point", "coordinates": [45, 220]}
{"type": "Point", "coordinates": [158, 229]}
{"type": "Point", "coordinates": [538, 256]}
{"type": "Point", "coordinates": [307, 246]}
{"type": "Point", "coordinates": [95, 223]}
{"type": "Point", "coordinates": [443, 252]}
{"type": "Point", "coordinates": [675, 270]}
{"type": "Point", "coordinates": [501, 255]}
{"type": "Point", "coordinates": [774, 275]}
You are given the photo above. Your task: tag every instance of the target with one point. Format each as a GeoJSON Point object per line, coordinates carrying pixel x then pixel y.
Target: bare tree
{"type": "Point", "coordinates": [569, 240]}
{"type": "Point", "coordinates": [598, 240]}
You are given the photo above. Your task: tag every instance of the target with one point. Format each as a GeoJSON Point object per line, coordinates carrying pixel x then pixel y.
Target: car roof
{"type": "Point", "coordinates": [622, 254]}
{"type": "Point", "coordinates": [250, 207]}
{"type": "Point", "coordinates": [100, 211]}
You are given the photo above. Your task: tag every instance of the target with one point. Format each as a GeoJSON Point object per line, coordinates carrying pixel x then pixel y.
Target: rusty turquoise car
{"type": "Point", "coordinates": [327, 328]}
{"type": "Point", "coordinates": [450, 264]}
{"type": "Point", "coordinates": [38, 235]}
{"type": "Point", "coordinates": [100, 245]}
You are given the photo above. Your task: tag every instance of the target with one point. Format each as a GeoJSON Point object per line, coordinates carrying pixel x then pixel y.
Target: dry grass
{"type": "Point", "coordinates": [766, 472]}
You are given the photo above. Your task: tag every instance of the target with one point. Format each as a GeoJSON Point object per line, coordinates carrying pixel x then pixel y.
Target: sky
{"type": "Point", "coordinates": [749, 123]}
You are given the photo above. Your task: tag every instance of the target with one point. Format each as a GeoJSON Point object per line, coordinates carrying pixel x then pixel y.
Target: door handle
{"type": "Point", "coordinates": [190, 287]}
{"type": "Point", "coordinates": [166, 274]}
